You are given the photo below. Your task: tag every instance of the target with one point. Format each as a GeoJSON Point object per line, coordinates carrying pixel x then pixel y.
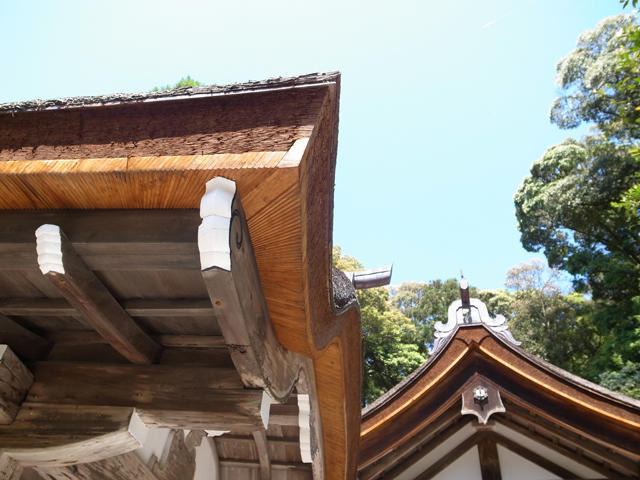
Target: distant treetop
{"type": "Point", "coordinates": [183, 82]}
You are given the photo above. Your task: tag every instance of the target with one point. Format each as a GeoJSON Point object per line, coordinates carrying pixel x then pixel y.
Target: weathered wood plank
{"type": "Point", "coordinates": [165, 386]}
{"type": "Point", "coordinates": [104, 353]}
{"type": "Point", "coordinates": [137, 307]}
{"type": "Point", "coordinates": [256, 465]}
{"type": "Point", "coordinates": [15, 381]}
{"type": "Point", "coordinates": [59, 261]}
{"type": "Point", "coordinates": [185, 341]}
{"type": "Point", "coordinates": [231, 275]}
{"type": "Point", "coordinates": [23, 342]}
{"type": "Point", "coordinates": [489, 461]}
{"type": "Point", "coordinates": [57, 435]}
{"type": "Point", "coordinates": [165, 395]}
{"type": "Point", "coordinates": [284, 441]}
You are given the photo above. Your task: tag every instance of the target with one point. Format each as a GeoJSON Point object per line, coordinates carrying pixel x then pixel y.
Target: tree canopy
{"type": "Point", "coordinates": [568, 206]}
{"type": "Point", "coordinates": [183, 82]}
{"type": "Point", "coordinates": [591, 76]}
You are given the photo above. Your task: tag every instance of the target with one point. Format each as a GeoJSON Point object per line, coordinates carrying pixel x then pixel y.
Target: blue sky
{"type": "Point", "coordinates": [444, 104]}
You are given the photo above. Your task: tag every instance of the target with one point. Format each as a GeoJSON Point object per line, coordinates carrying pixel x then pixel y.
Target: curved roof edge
{"type": "Point", "coordinates": [186, 92]}
{"type": "Point", "coordinates": [570, 377]}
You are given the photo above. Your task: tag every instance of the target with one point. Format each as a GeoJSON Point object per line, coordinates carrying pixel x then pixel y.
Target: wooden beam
{"type": "Point", "coordinates": [533, 457]}
{"type": "Point", "coordinates": [284, 441]}
{"type": "Point", "coordinates": [104, 353]}
{"type": "Point", "coordinates": [547, 428]}
{"type": "Point", "coordinates": [489, 461]}
{"type": "Point", "coordinates": [256, 465]}
{"type": "Point", "coordinates": [184, 341]}
{"type": "Point", "coordinates": [419, 450]}
{"type": "Point", "coordinates": [58, 435]}
{"type": "Point", "coordinates": [23, 342]}
{"type": "Point", "coordinates": [136, 307]}
{"type": "Point", "coordinates": [566, 451]}
{"type": "Point", "coordinates": [417, 442]}
{"type": "Point", "coordinates": [107, 239]}
{"type": "Point", "coordinates": [165, 396]}
{"type": "Point", "coordinates": [231, 275]}
{"type": "Point", "coordinates": [15, 381]}
{"type": "Point", "coordinates": [451, 457]}
{"type": "Point", "coordinates": [60, 263]}
{"type": "Point", "coordinates": [260, 437]}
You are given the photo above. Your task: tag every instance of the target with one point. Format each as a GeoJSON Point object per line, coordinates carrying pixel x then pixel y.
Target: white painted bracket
{"type": "Point", "coordinates": [49, 248]}
{"type": "Point", "coordinates": [213, 233]}
{"type": "Point", "coordinates": [265, 409]}
{"type": "Point", "coordinates": [138, 429]}
{"type": "Point", "coordinates": [304, 422]}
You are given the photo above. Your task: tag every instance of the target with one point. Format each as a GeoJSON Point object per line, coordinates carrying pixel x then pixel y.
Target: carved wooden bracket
{"type": "Point", "coordinates": [231, 275]}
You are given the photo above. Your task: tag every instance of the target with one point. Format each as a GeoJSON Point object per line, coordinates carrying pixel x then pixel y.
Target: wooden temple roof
{"type": "Point", "coordinates": [123, 177]}
{"type": "Point", "coordinates": [562, 425]}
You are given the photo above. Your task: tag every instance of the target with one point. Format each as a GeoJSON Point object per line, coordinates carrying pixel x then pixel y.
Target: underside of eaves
{"type": "Point", "coordinates": [124, 176]}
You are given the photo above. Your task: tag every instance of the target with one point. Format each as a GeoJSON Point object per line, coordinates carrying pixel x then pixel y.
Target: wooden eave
{"type": "Point", "coordinates": [539, 398]}
{"type": "Point", "coordinates": [277, 140]}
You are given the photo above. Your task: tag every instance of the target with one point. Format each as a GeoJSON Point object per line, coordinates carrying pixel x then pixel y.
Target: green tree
{"type": "Point", "coordinates": [566, 206]}
{"type": "Point", "coordinates": [389, 348]}
{"type": "Point", "coordinates": [425, 304]}
{"type": "Point", "coordinates": [591, 76]}
{"type": "Point", "coordinates": [625, 381]}
{"type": "Point", "coordinates": [556, 327]}
{"type": "Point", "coordinates": [183, 82]}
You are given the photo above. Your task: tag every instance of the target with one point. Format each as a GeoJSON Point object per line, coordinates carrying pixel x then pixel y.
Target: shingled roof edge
{"type": "Point", "coordinates": [177, 93]}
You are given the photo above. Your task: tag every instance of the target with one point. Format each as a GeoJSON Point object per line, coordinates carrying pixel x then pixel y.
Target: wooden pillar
{"type": "Point", "coordinates": [489, 461]}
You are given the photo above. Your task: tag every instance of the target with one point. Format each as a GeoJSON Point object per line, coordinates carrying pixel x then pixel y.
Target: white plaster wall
{"type": "Point", "coordinates": [552, 455]}
{"type": "Point", "coordinates": [207, 466]}
{"type": "Point", "coordinates": [515, 467]}
{"type": "Point", "coordinates": [467, 467]}
{"type": "Point", "coordinates": [437, 453]}
{"type": "Point", "coordinates": [154, 446]}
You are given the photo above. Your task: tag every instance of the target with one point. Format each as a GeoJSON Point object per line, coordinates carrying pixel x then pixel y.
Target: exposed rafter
{"type": "Point", "coordinates": [60, 263]}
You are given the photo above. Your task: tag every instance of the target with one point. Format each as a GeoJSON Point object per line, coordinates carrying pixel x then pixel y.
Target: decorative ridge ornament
{"type": "Point", "coordinates": [466, 311]}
